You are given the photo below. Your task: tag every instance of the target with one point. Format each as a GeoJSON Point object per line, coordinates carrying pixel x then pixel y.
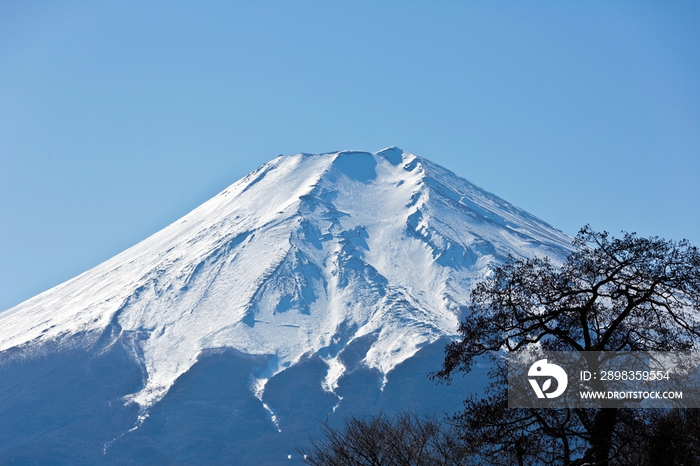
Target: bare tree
{"type": "Point", "coordinates": [611, 294]}
{"type": "Point", "coordinates": [404, 440]}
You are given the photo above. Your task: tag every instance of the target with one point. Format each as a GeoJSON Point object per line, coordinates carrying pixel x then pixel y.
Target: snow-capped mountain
{"type": "Point", "coordinates": [305, 257]}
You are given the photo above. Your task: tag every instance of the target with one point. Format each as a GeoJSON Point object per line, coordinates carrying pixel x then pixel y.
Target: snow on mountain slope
{"type": "Point", "coordinates": [302, 256]}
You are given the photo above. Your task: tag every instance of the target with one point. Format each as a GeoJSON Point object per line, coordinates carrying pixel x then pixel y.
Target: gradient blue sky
{"type": "Point", "coordinates": [118, 117]}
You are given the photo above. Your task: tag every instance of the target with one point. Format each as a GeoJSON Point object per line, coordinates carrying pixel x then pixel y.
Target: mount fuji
{"type": "Point", "coordinates": [315, 287]}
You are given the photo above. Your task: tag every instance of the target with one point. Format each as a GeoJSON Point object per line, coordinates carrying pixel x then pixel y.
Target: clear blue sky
{"type": "Point", "coordinates": [118, 117]}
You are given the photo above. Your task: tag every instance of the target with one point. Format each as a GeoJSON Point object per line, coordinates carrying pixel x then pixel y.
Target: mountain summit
{"type": "Point", "coordinates": [307, 256]}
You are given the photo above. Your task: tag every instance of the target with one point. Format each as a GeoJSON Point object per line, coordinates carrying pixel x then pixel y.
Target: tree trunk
{"type": "Point", "coordinates": [601, 437]}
